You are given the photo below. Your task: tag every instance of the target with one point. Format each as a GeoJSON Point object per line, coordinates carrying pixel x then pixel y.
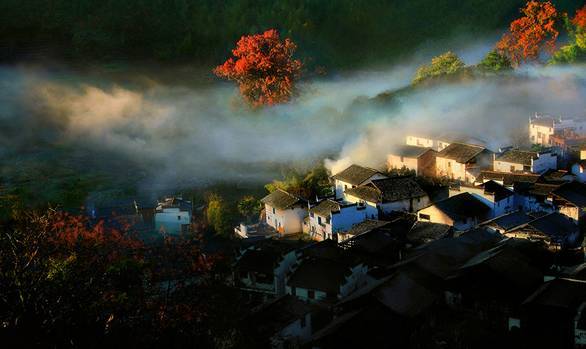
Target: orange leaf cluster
{"type": "Point", "coordinates": [579, 19]}
{"type": "Point", "coordinates": [531, 34]}
{"type": "Point", "coordinates": [264, 68]}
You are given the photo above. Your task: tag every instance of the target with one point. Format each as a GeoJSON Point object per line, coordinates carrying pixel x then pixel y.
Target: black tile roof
{"type": "Point", "coordinates": [573, 192]}
{"type": "Point", "coordinates": [499, 191]}
{"type": "Point", "coordinates": [508, 179]}
{"type": "Point", "coordinates": [281, 199]}
{"type": "Point", "coordinates": [366, 226]}
{"type": "Point", "coordinates": [355, 174]}
{"type": "Point", "coordinates": [555, 225]}
{"type": "Point", "coordinates": [462, 206]}
{"type": "Point", "coordinates": [320, 274]}
{"type": "Point", "coordinates": [326, 207]}
{"type": "Point", "coordinates": [423, 232]}
{"type": "Point", "coordinates": [518, 156]}
{"type": "Point", "coordinates": [275, 315]}
{"type": "Point", "coordinates": [559, 293]}
{"type": "Point", "coordinates": [461, 152]}
{"type": "Point", "coordinates": [410, 151]}
{"type": "Point", "coordinates": [510, 220]}
{"type": "Point", "coordinates": [388, 190]}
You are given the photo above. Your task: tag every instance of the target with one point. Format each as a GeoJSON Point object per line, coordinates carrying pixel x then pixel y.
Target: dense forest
{"type": "Point", "coordinates": [334, 33]}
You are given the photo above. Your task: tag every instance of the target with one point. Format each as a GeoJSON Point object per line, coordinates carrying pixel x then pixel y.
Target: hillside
{"type": "Point", "coordinates": [334, 33]}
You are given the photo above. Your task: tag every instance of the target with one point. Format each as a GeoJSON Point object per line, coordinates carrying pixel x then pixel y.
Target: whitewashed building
{"type": "Point", "coordinates": [330, 217]}
{"type": "Point", "coordinates": [417, 159]}
{"type": "Point", "coordinates": [463, 162]}
{"type": "Point", "coordinates": [173, 215]}
{"type": "Point", "coordinates": [352, 177]}
{"type": "Point", "coordinates": [390, 194]}
{"type": "Point", "coordinates": [500, 199]}
{"type": "Point", "coordinates": [463, 212]}
{"type": "Point", "coordinates": [525, 161]}
{"type": "Point", "coordinates": [285, 212]}
{"type": "Point", "coordinates": [542, 127]}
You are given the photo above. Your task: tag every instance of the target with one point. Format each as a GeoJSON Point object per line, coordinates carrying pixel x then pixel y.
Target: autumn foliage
{"type": "Point", "coordinates": [579, 19]}
{"type": "Point", "coordinates": [531, 34]}
{"type": "Point", "coordinates": [264, 68]}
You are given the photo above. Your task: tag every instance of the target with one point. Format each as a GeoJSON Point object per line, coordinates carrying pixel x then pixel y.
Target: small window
{"type": "Point", "coordinates": [293, 290]}
{"type": "Point", "coordinates": [310, 294]}
{"type": "Point", "coordinates": [318, 220]}
{"type": "Point", "coordinates": [273, 210]}
{"type": "Point", "coordinates": [178, 218]}
{"type": "Point", "coordinates": [424, 216]}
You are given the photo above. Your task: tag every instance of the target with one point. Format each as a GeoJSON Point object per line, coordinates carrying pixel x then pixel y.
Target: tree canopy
{"type": "Point", "coordinates": [495, 62]}
{"type": "Point", "coordinates": [444, 64]}
{"type": "Point", "coordinates": [264, 68]}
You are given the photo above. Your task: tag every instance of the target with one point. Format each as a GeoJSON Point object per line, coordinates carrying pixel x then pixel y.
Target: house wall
{"type": "Point", "coordinates": [583, 154]}
{"type": "Point", "coordinates": [450, 168]}
{"type": "Point", "coordinates": [579, 172]}
{"type": "Point", "coordinates": [341, 186]}
{"type": "Point", "coordinates": [545, 162]}
{"type": "Point", "coordinates": [370, 207]}
{"type": "Point", "coordinates": [398, 162]}
{"type": "Point", "coordinates": [340, 221]}
{"type": "Point", "coordinates": [570, 211]}
{"type": "Point", "coordinates": [420, 142]}
{"type": "Point", "coordinates": [355, 281]}
{"type": "Point", "coordinates": [504, 166]}
{"type": "Point", "coordinates": [281, 271]}
{"type": "Point", "coordinates": [426, 164]}
{"type": "Point", "coordinates": [405, 205]}
{"type": "Point", "coordinates": [297, 332]}
{"type": "Point", "coordinates": [171, 220]}
{"type": "Point", "coordinates": [540, 134]}
{"type": "Point", "coordinates": [497, 208]}
{"type": "Point", "coordinates": [289, 221]}
{"type": "Point", "coordinates": [435, 216]}
{"type": "Point", "coordinates": [303, 294]}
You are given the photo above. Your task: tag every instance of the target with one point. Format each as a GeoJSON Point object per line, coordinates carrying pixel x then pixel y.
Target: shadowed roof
{"type": "Point", "coordinates": [388, 190]}
{"type": "Point", "coordinates": [410, 151]}
{"type": "Point", "coordinates": [507, 178]}
{"type": "Point", "coordinates": [573, 192]}
{"type": "Point", "coordinates": [355, 174]}
{"type": "Point", "coordinates": [462, 206]}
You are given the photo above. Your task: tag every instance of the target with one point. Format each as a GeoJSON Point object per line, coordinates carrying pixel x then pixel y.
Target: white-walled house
{"type": "Point", "coordinates": [390, 194]}
{"type": "Point", "coordinates": [417, 159]}
{"type": "Point", "coordinates": [463, 212]}
{"type": "Point", "coordinates": [541, 128]}
{"type": "Point", "coordinates": [579, 170]}
{"type": "Point", "coordinates": [500, 199]}
{"type": "Point", "coordinates": [326, 280]}
{"type": "Point", "coordinates": [354, 176]}
{"type": "Point", "coordinates": [173, 215]}
{"type": "Point", "coordinates": [285, 212]}
{"type": "Point", "coordinates": [426, 142]}
{"type": "Point", "coordinates": [525, 161]}
{"type": "Point", "coordinates": [463, 162]}
{"type": "Point", "coordinates": [329, 217]}
{"type": "Point", "coordinates": [570, 200]}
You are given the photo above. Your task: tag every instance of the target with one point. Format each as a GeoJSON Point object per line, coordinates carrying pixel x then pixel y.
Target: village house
{"type": "Point", "coordinates": [417, 159]}
{"type": "Point", "coordinates": [318, 279]}
{"type": "Point", "coordinates": [285, 212]}
{"type": "Point", "coordinates": [542, 128]}
{"type": "Point", "coordinates": [286, 322]}
{"type": "Point", "coordinates": [579, 170]}
{"type": "Point", "coordinates": [330, 217]}
{"type": "Point", "coordinates": [390, 194]}
{"type": "Point", "coordinates": [554, 229]}
{"type": "Point", "coordinates": [173, 215]}
{"type": "Point", "coordinates": [462, 211]}
{"type": "Point", "coordinates": [352, 177]}
{"type": "Point", "coordinates": [439, 142]}
{"type": "Point", "coordinates": [361, 228]}
{"type": "Point", "coordinates": [500, 199]}
{"type": "Point", "coordinates": [570, 200]}
{"type": "Point", "coordinates": [554, 316]}
{"type": "Point", "coordinates": [508, 222]}
{"type": "Point", "coordinates": [262, 267]}
{"type": "Point", "coordinates": [463, 162]}
{"type": "Point", "coordinates": [424, 232]}
{"type": "Point", "coordinates": [525, 161]}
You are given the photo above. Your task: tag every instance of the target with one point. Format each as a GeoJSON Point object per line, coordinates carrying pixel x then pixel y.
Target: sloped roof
{"type": "Point", "coordinates": [499, 192]}
{"type": "Point", "coordinates": [560, 293]}
{"type": "Point", "coordinates": [461, 152]}
{"type": "Point", "coordinates": [573, 192]}
{"type": "Point", "coordinates": [281, 199]}
{"type": "Point", "coordinates": [555, 225]}
{"type": "Point", "coordinates": [326, 208]}
{"type": "Point", "coordinates": [320, 274]}
{"type": "Point", "coordinates": [410, 151]}
{"type": "Point", "coordinates": [518, 156]}
{"type": "Point", "coordinates": [423, 232]}
{"type": "Point", "coordinates": [388, 190]}
{"type": "Point", "coordinates": [355, 174]}
{"type": "Point", "coordinates": [510, 220]}
{"type": "Point", "coordinates": [366, 226]}
{"type": "Point", "coordinates": [507, 178]}
{"type": "Point", "coordinates": [462, 206]}
{"type": "Point", "coordinates": [271, 317]}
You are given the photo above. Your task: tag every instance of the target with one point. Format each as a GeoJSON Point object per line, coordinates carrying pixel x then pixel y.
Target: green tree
{"type": "Point", "coordinates": [307, 185]}
{"type": "Point", "coordinates": [249, 206]}
{"type": "Point", "coordinates": [219, 215]}
{"type": "Point", "coordinates": [495, 62]}
{"type": "Point", "coordinates": [445, 64]}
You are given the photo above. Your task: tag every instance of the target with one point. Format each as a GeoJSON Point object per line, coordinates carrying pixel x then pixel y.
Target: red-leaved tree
{"type": "Point", "coordinates": [531, 34]}
{"type": "Point", "coordinates": [264, 68]}
{"type": "Point", "coordinates": [579, 19]}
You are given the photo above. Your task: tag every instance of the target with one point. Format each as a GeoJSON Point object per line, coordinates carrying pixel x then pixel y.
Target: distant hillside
{"type": "Point", "coordinates": [335, 33]}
